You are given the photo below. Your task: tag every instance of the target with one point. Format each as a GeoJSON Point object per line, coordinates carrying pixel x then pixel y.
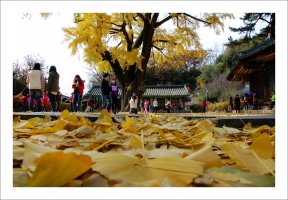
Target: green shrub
{"type": "Point", "coordinates": [83, 104]}
{"type": "Point", "coordinates": [196, 108]}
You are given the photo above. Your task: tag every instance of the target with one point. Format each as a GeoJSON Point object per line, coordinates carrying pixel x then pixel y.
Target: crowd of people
{"type": "Point", "coordinates": [37, 96]}
{"type": "Point", "coordinates": [250, 102]}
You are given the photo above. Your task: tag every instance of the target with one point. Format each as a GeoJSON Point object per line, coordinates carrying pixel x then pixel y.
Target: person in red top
{"type": "Point", "coordinates": [204, 105]}
{"type": "Point", "coordinates": [78, 86]}
{"type": "Point", "coordinates": [45, 102]}
{"type": "Point", "coordinates": [246, 101]}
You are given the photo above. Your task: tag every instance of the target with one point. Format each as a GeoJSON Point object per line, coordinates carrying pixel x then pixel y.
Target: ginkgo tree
{"type": "Point", "coordinates": [123, 43]}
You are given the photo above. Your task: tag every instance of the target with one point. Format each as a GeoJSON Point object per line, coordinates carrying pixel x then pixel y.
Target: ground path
{"type": "Point", "coordinates": [228, 119]}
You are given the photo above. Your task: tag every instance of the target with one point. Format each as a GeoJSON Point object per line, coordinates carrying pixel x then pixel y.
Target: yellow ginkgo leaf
{"type": "Point", "coordinates": [105, 118]}
{"type": "Point", "coordinates": [58, 168]}
{"type": "Point", "coordinates": [65, 114]}
{"type": "Point", "coordinates": [32, 152]}
{"type": "Point", "coordinates": [263, 147]}
{"type": "Point", "coordinates": [135, 142]}
{"type": "Point", "coordinates": [248, 159]}
{"type": "Point", "coordinates": [129, 125]}
{"type": "Point", "coordinates": [169, 171]}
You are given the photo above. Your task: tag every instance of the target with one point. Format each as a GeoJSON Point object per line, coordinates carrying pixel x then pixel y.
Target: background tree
{"type": "Point", "coordinates": [21, 70]}
{"type": "Point", "coordinates": [94, 77]}
{"type": "Point", "coordinates": [251, 36]}
{"type": "Point", "coordinates": [125, 42]}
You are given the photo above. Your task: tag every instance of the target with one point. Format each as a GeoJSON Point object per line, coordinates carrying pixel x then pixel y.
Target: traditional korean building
{"type": "Point", "coordinates": [177, 94]}
{"type": "Point", "coordinates": [257, 66]}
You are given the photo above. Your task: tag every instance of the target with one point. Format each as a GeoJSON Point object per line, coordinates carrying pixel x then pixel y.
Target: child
{"type": "Point", "coordinates": [146, 106]}
{"type": "Point", "coordinates": [133, 104]}
{"type": "Point", "coordinates": [90, 104]}
{"type": "Point", "coordinates": [204, 104]}
{"type": "Point", "coordinates": [45, 102]}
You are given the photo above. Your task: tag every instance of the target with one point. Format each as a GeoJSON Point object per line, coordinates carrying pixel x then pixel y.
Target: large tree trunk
{"type": "Point", "coordinates": [131, 80]}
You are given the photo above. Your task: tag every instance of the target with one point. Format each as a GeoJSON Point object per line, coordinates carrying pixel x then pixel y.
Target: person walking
{"type": "Point", "coordinates": [78, 86]}
{"type": "Point", "coordinates": [167, 105]}
{"type": "Point", "coordinates": [255, 101]}
{"type": "Point", "coordinates": [53, 87]}
{"type": "Point", "coordinates": [231, 105]}
{"type": "Point", "coordinates": [35, 80]}
{"type": "Point", "coordinates": [155, 105]}
{"type": "Point", "coordinates": [133, 104]}
{"type": "Point", "coordinates": [106, 92]}
{"type": "Point", "coordinates": [151, 105]}
{"type": "Point", "coordinates": [237, 103]}
{"type": "Point", "coordinates": [114, 95]}
{"type": "Point", "coordinates": [272, 105]}
{"type": "Point", "coordinates": [146, 105]}
{"type": "Point", "coordinates": [204, 105]}
{"type": "Point", "coordinates": [246, 102]}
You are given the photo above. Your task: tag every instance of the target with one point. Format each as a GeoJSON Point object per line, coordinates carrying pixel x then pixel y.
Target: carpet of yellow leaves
{"type": "Point", "coordinates": [153, 150]}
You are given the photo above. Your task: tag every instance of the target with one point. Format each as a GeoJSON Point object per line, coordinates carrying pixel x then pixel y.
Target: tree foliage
{"type": "Point", "coordinates": [125, 42]}
{"type": "Point", "coordinates": [251, 36]}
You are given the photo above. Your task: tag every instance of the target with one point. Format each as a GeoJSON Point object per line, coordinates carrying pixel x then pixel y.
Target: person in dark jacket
{"type": "Point", "coordinates": [114, 95]}
{"type": "Point", "coordinates": [237, 103]}
{"type": "Point", "coordinates": [53, 87]}
{"type": "Point", "coordinates": [255, 101]}
{"type": "Point", "coordinates": [106, 92]}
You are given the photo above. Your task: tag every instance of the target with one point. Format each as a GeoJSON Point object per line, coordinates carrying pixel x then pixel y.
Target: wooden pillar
{"type": "Point", "coordinates": [266, 87]}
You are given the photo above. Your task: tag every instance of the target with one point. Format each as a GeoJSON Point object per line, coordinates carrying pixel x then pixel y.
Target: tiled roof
{"type": "Point", "coordinates": [243, 68]}
{"type": "Point", "coordinates": [176, 91]}
{"type": "Point", "coordinates": [259, 48]}
{"type": "Point", "coordinates": [96, 91]}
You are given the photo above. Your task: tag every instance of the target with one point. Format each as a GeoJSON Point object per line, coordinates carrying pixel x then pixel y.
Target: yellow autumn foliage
{"type": "Point", "coordinates": [121, 36]}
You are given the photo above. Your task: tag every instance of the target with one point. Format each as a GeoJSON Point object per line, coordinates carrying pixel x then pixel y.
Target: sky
{"type": "Point", "coordinates": [37, 36]}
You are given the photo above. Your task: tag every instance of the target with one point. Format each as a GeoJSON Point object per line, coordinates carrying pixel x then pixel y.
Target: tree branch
{"type": "Point", "coordinates": [201, 20]}
{"type": "Point", "coordinates": [163, 41]}
{"type": "Point", "coordinates": [142, 16]}
{"type": "Point", "coordinates": [159, 49]}
{"type": "Point", "coordinates": [129, 42]}
{"type": "Point", "coordinates": [154, 19]}
{"type": "Point", "coordinates": [139, 40]}
{"type": "Point", "coordinates": [163, 21]}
